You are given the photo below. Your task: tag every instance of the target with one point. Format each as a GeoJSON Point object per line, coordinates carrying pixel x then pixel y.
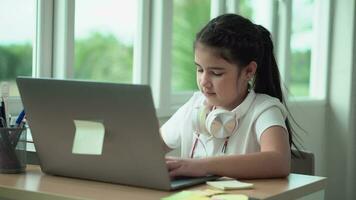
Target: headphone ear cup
{"type": "Point", "coordinates": [221, 123]}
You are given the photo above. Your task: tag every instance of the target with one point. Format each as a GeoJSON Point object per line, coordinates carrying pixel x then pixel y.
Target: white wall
{"type": "Point", "coordinates": [340, 140]}
{"type": "Point", "coordinates": [310, 115]}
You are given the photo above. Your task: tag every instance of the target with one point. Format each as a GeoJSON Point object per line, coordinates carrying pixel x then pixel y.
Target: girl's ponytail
{"type": "Point", "coordinates": [267, 78]}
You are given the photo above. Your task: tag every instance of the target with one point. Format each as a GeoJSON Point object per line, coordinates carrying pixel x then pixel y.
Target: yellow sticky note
{"type": "Point", "coordinates": [194, 195]}
{"type": "Point", "coordinates": [197, 198]}
{"type": "Point", "coordinates": [230, 197]}
{"type": "Point", "coordinates": [186, 195]}
{"type": "Point", "coordinates": [88, 138]}
{"type": "Point", "coordinates": [230, 184]}
{"type": "Point", "coordinates": [210, 192]}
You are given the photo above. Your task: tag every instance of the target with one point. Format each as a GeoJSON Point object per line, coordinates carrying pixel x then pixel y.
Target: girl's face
{"type": "Point", "coordinates": [221, 82]}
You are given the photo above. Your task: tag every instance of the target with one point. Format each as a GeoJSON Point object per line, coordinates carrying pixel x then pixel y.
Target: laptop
{"type": "Point", "coordinates": [99, 131]}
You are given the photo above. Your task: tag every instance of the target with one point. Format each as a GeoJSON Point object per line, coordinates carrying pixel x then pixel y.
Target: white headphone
{"type": "Point", "coordinates": [221, 123]}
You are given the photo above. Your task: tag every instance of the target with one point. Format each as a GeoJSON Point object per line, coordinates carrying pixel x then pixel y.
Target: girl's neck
{"type": "Point", "coordinates": [235, 103]}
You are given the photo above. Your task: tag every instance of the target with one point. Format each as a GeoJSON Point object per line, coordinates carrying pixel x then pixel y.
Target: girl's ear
{"type": "Point", "coordinates": [250, 70]}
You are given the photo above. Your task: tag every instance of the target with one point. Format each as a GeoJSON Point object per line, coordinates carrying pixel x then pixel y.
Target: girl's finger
{"type": "Point", "coordinates": [171, 158]}
{"type": "Point", "coordinates": [174, 173]}
{"type": "Point", "coordinates": [172, 165]}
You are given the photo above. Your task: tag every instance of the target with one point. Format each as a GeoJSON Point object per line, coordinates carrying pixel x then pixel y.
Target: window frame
{"type": "Point", "coordinates": [320, 59]}
{"type": "Point", "coordinates": [42, 58]}
{"type": "Point", "coordinates": [63, 39]}
{"type": "Point", "coordinates": [319, 51]}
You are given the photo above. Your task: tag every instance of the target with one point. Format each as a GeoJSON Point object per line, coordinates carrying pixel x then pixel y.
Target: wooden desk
{"type": "Point", "coordinates": [34, 185]}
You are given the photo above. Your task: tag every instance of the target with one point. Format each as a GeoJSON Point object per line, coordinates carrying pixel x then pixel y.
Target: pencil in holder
{"type": "Point", "coordinates": [12, 150]}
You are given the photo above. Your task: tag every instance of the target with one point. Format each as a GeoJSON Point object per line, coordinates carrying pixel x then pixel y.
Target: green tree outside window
{"type": "Point", "coordinates": [188, 18]}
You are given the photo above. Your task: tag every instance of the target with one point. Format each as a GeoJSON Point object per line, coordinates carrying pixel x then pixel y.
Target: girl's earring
{"type": "Point", "coordinates": [251, 83]}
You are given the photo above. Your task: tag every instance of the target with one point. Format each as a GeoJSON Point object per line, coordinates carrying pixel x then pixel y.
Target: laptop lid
{"type": "Point", "coordinates": [58, 112]}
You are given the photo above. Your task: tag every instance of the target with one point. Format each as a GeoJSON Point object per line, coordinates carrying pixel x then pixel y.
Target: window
{"type": "Point", "coordinates": [259, 12]}
{"type": "Point", "coordinates": [189, 16]}
{"type": "Point", "coordinates": [105, 38]}
{"type": "Point", "coordinates": [16, 42]}
{"type": "Point", "coordinates": [245, 9]}
{"type": "Point", "coordinates": [301, 47]}
{"type": "Point", "coordinates": [104, 34]}
{"type": "Point", "coordinates": [298, 53]}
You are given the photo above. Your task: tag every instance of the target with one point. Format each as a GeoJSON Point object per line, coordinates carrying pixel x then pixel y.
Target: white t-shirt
{"type": "Point", "coordinates": [259, 112]}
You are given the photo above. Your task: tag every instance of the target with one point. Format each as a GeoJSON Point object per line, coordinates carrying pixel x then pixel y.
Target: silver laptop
{"type": "Point", "coordinates": [100, 131]}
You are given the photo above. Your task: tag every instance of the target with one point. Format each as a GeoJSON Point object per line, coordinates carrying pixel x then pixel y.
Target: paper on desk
{"type": "Point", "coordinates": [229, 184]}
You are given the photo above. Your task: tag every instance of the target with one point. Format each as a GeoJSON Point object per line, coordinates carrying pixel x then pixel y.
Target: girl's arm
{"type": "Point", "coordinates": [272, 161]}
{"type": "Point", "coordinates": [165, 146]}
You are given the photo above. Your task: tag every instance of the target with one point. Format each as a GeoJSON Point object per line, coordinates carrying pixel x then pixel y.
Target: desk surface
{"type": "Point", "coordinates": [35, 185]}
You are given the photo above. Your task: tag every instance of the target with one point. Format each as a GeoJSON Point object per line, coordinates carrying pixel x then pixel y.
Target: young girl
{"type": "Point", "coordinates": [236, 126]}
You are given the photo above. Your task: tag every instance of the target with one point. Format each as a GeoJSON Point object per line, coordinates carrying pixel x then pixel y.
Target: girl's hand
{"type": "Point", "coordinates": [185, 167]}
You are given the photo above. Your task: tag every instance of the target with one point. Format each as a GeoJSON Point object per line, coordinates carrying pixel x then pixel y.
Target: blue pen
{"type": "Point", "coordinates": [20, 117]}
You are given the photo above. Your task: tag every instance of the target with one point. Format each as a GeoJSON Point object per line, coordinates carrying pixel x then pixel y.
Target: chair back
{"type": "Point", "coordinates": [303, 163]}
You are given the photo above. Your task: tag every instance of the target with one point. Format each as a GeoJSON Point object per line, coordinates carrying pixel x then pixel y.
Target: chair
{"type": "Point", "coordinates": [302, 163]}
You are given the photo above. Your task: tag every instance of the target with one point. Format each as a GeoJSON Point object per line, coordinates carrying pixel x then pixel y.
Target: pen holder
{"type": "Point", "coordinates": [12, 150]}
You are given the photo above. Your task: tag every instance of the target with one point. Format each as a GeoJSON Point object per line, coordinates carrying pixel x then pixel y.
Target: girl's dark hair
{"type": "Point", "coordinates": [239, 41]}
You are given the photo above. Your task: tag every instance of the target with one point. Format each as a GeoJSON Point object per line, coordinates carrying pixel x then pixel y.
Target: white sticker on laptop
{"type": "Point", "coordinates": [88, 138]}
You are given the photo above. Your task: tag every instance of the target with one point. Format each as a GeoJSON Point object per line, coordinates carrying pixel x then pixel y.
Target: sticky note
{"type": "Point", "coordinates": [230, 197]}
{"type": "Point", "coordinates": [186, 195]}
{"type": "Point", "coordinates": [88, 138]}
{"type": "Point", "coordinates": [210, 192]}
{"type": "Point", "coordinates": [229, 184]}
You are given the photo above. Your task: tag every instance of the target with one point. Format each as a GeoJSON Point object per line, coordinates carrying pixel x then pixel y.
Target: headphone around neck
{"type": "Point", "coordinates": [221, 123]}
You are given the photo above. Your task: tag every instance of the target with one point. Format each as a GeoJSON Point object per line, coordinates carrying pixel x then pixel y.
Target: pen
{"type": "Point", "coordinates": [2, 122]}
{"type": "Point", "coordinates": [20, 118]}
{"type": "Point", "coordinates": [3, 114]}
{"type": "Point", "coordinates": [5, 90]}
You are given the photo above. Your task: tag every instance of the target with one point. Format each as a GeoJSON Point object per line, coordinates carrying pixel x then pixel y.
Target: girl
{"type": "Point", "coordinates": [236, 126]}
